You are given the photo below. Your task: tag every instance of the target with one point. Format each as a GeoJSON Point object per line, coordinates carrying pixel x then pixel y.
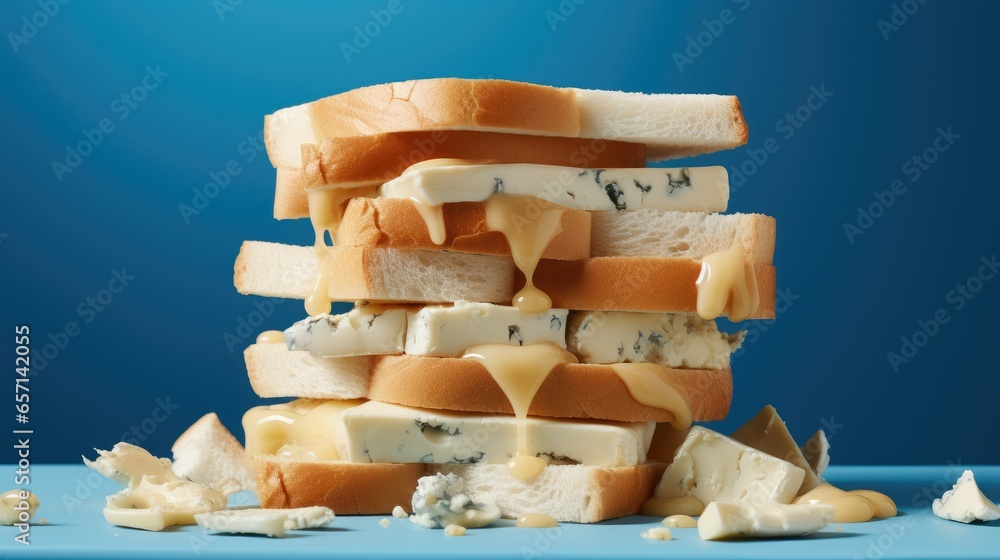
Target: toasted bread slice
{"type": "Point", "coordinates": [652, 284]}
{"type": "Point", "coordinates": [570, 391]}
{"type": "Point", "coordinates": [670, 125]}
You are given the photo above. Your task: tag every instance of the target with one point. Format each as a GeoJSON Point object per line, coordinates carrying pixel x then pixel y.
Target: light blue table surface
{"type": "Point", "coordinates": [72, 498]}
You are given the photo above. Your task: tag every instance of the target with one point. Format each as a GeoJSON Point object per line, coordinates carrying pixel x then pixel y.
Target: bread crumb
{"type": "Point", "coordinates": [454, 530]}
{"type": "Point", "coordinates": [399, 513]}
{"type": "Point", "coordinates": [656, 534]}
{"type": "Point", "coordinates": [838, 529]}
{"type": "Point", "coordinates": [43, 521]}
{"type": "Point", "coordinates": [385, 522]}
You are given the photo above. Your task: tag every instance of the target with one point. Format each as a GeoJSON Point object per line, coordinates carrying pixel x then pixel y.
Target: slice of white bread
{"type": "Point", "coordinates": [207, 453]}
{"type": "Point", "coordinates": [671, 125]}
{"type": "Point", "coordinates": [275, 371]}
{"type": "Point", "coordinates": [396, 223]}
{"type": "Point", "coordinates": [692, 235]}
{"type": "Point", "coordinates": [569, 493]}
{"type": "Point", "coordinates": [375, 274]}
{"type": "Point", "coordinates": [570, 391]}
{"type": "Point", "coordinates": [651, 284]}
{"type": "Point", "coordinates": [369, 161]}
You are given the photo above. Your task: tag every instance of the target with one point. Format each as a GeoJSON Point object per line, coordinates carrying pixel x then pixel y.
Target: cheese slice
{"type": "Point", "coordinates": [364, 330]}
{"type": "Point", "coordinates": [722, 520]}
{"type": "Point", "coordinates": [712, 467]}
{"type": "Point", "coordinates": [965, 502]}
{"type": "Point", "coordinates": [686, 189]}
{"type": "Point", "coordinates": [387, 433]}
{"type": "Point", "coordinates": [270, 522]}
{"type": "Point", "coordinates": [669, 339]}
{"type": "Point", "coordinates": [767, 432]}
{"type": "Point", "coordinates": [450, 330]}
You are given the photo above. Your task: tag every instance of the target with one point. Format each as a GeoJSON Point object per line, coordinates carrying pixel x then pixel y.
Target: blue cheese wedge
{"type": "Point", "coordinates": [723, 520]}
{"type": "Point", "coordinates": [364, 330]}
{"type": "Point", "coordinates": [387, 433]}
{"type": "Point", "coordinates": [449, 330]}
{"type": "Point", "coordinates": [668, 339]}
{"type": "Point", "coordinates": [712, 467]}
{"type": "Point", "coordinates": [965, 502]}
{"type": "Point", "coordinates": [270, 522]}
{"type": "Point", "coordinates": [440, 501]}
{"type": "Point", "coordinates": [685, 189]}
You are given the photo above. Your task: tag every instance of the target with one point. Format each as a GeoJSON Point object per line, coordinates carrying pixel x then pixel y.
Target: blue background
{"type": "Point", "coordinates": [823, 362]}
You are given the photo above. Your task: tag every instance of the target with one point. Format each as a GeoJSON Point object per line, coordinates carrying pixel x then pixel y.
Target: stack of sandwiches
{"type": "Point", "coordinates": [533, 307]}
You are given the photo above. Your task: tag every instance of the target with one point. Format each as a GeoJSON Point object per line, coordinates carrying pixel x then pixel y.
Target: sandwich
{"type": "Point", "coordinates": [532, 308]}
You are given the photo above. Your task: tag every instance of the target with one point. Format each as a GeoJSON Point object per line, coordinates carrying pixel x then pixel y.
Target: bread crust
{"type": "Point", "coordinates": [346, 488]}
{"type": "Point", "coordinates": [663, 285]}
{"type": "Point", "coordinates": [376, 488]}
{"type": "Point", "coordinates": [395, 222]}
{"type": "Point", "coordinates": [591, 391]}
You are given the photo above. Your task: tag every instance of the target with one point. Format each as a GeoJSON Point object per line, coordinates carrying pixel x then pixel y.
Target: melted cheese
{"type": "Point", "coordinates": [529, 224]}
{"type": "Point", "coordinates": [520, 371]}
{"type": "Point", "coordinates": [306, 429]}
{"type": "Point", "coordinates": [727, 285]}
{"type": "Point", "coordinates": [650, 385]}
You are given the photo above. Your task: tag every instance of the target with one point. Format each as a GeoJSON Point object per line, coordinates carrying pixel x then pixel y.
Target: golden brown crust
{"type": "Point", "coordinates": [570, 391]}
{"type": "Point", "coordinates": [663, 285]}
{"type": "Point", "coordinates": [346, 488]}
{"type": "Point", "coordinates": [626, 491]}
{"type": "Point", "coordinates": [394, 222]}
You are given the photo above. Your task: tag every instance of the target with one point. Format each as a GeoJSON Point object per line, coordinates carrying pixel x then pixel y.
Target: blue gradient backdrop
{"type": "Point", "coordinates": [159, 344]}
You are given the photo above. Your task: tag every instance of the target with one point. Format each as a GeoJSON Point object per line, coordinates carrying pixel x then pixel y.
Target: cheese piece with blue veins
{"type": "Point", "coordinates": [440, 500]}
{"type": "Point", "coordinates": [448, 330]}
{"type": "Point", "coordinates": [380, 432]}
{"type": "Point", "coordinates": [668, 339]}
{"type": "Point", "coordinates": [684, 189]}
{"type": "Point", "coordinates": [364, 330]}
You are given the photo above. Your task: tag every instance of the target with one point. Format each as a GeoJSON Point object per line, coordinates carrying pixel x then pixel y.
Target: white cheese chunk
{"type": "Point", "coordinates": [439, 501]}
{"type": "Point", "coordinates": [270, 522]}
{"type": "Point", "coordinates": [656, 534]}
{"type": "Point", "coordinates": [17, 506]}
{"type": "Point", "coordinates": [686, 189]}
{"type": "Point", "coordinates": [817, 452]}
{"type": "Point", "coordinates": [449, 330]}
{"type": "Point", "coordinates": [965, 502]}
{"type": "Point", "coordinates": [155, 497]}
{"type": "Point", "coordinates": [364, 330]}
{"type": "Point", "coordinates": [668, 339]}
{"type": "Point", "coordinates": [387, 433]}
{"type": "Point", "coordinates": [725, 520]}
{"type": "Point", "coordinates": [713, 467]}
